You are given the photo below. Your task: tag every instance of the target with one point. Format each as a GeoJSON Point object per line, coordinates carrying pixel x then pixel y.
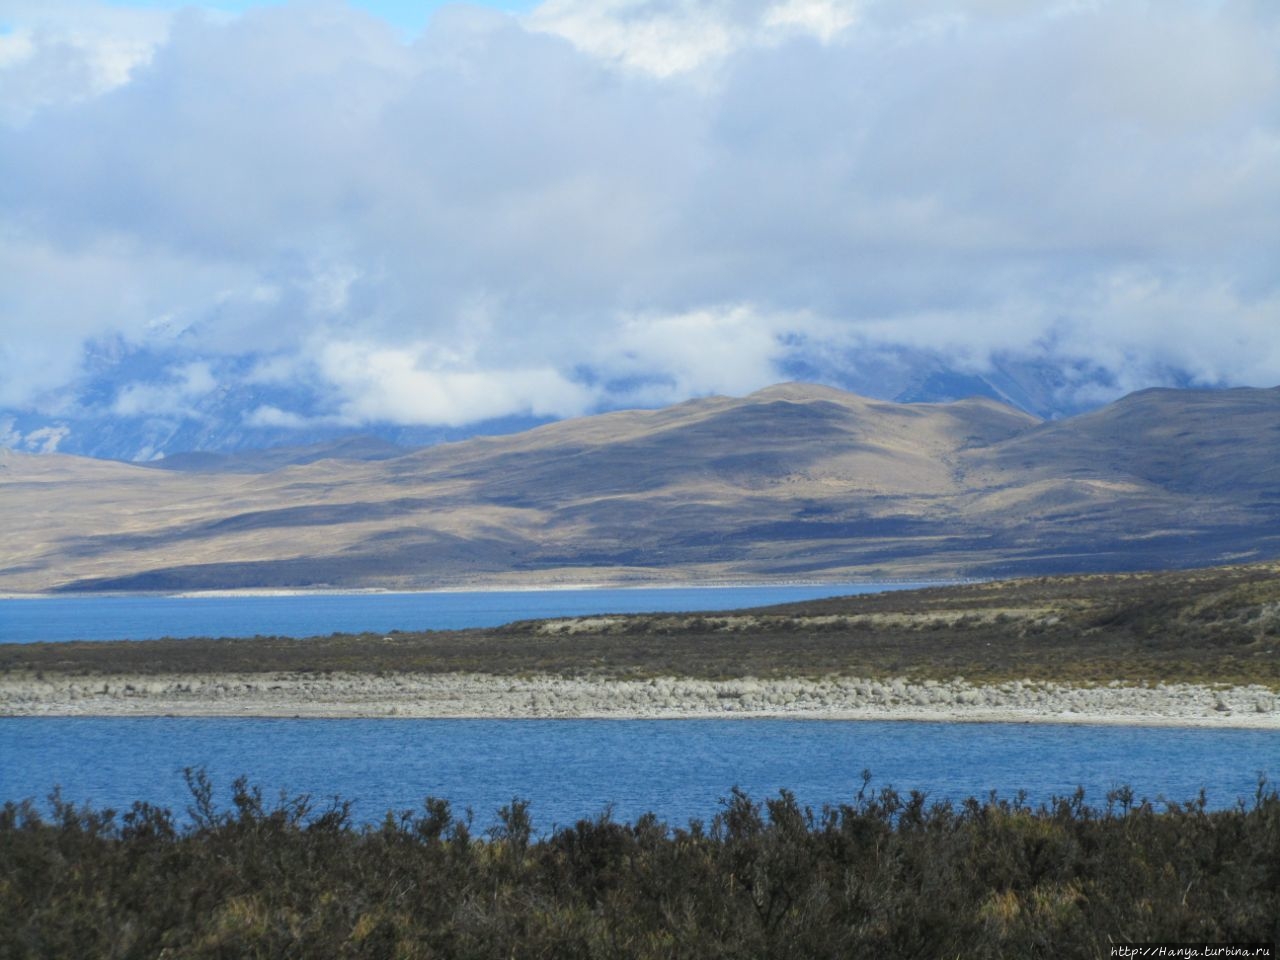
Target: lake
{"type": "Point", "coordinates": [146, 617]}
{"type": "Point", "coordinates": [569, 769]}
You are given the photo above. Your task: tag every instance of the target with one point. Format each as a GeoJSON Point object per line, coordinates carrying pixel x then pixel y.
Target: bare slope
{"type": "Point", "coordinates": [795, 480]}
{"type": "Point", "coordinates": [274, 458]}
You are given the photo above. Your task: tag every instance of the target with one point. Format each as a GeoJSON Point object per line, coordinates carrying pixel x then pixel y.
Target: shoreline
{"type": "Point", "coordinates": [487, 696]}
{"type": "Point", "coordinates": [657, 584]}
{"type": "Point", "coordinates": [504, 586]}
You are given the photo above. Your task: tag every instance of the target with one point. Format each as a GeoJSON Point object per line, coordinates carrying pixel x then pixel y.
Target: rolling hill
{"type": "Point", "coordinates": [795, 481]}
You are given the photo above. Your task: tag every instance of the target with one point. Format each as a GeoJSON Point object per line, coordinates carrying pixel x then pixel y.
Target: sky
{"type": "Point", "coordinates": [442, 213]}
{"type": "Point", "coordinates": [408, 17]}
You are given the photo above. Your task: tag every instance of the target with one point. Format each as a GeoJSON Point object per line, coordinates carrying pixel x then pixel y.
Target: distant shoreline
{"type": "Point", "coordinates": [269, 592]}
{"type": "Point", "coordinates": [1187, 648]}
{"type": "Point", "coordinates": [484, 696]}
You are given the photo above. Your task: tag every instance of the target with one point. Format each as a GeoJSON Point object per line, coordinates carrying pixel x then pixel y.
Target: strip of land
{"type": "Point", "coordinates": [1191, 647]}
{"type": "Point", "coordinates": [487, 696]}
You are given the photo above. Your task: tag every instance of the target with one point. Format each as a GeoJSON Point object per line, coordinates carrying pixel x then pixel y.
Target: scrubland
{"type": "Point", "coordinates": [884, 875]}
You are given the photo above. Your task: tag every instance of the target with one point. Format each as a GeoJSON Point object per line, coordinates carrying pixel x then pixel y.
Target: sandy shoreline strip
{"type": "Point", "coordinates": [486, 696]}
{"type": "Point", "coordinates": [503, 586]}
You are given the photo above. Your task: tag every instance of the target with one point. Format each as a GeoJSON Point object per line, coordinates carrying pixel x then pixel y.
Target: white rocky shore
{"type": "Point", "coordinates": [479, 695]}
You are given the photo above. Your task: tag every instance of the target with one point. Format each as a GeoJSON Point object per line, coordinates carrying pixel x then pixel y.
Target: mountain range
{"type": "Point", "coordinates": [91, 416]}
{"type": "Point", "coordinates": [796, 481]}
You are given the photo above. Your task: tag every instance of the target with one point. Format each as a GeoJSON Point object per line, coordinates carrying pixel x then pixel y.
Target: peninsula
{"type": "Point", "coordinates": [1193, 647]}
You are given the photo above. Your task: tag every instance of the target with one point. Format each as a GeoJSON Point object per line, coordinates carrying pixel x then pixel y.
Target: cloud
{"type": "Point", "coordinates": [269, 416]}
{"type": "Point", "coordinates": [680, 36]}
{"type": "Point", "coordinates": [40, 440]}
{"type": "Point", "coordinates": [171, 397]}
{"type": "Point", "coordinates": [422, 384]}
{"type": "Point", "coordinates": [824, 19]}
{"type": "Point", "coordinates": [632, 201]}
{"type": "Point", "coordinates": [62, 52]}
{"type": "Point", "coordinates": [656, 360]}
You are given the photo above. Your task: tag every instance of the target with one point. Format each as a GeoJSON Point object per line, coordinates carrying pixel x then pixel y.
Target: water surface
{"type": "Point", "coordinates": [570, 769]}
{"type": "Point", "coordinates": [145, 617]}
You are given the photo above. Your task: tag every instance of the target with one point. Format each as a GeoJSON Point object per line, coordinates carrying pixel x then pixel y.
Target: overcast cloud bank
{"type": "Point", "coordinates": [605, 204]}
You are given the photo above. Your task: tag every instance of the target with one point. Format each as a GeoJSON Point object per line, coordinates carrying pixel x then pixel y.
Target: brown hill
{"type": "Point", "coordinates": [793, 481]}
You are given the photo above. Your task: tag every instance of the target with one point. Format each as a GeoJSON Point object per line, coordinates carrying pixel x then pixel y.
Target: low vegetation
{"type": "Point", "coordinates": [1217, 626]}
{"type": "Point", "coordinates": [883, 876]}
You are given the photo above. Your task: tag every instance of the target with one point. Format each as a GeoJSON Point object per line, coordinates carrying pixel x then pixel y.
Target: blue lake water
{"type": "Point", "coordinates": [138, 617]}
{"type": "Point", "coordinates": [569, 769]}
{"type": "Point", "coordinates": [566, 769]}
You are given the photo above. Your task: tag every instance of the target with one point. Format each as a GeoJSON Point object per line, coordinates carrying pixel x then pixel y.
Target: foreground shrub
{"type": "Point", "coordinates": [884, 876]}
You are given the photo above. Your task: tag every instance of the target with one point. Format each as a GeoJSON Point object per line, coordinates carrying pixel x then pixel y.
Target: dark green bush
{"type": "Point", "coordinates": [882, 876]}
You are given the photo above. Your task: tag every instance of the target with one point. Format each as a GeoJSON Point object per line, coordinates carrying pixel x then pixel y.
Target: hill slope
{"type": "Point", "coordinates": [793, 481]}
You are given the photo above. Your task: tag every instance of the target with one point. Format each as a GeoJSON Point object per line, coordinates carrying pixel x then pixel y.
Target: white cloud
{"type": "Point", "coordinates": [421, 383]}
{"type": "Point", "coordinates": [679, 42]}
{"type": "Point", "coordinates": [272, 416]}
{"type": "Point", "coordinates": [172, 398]}
{"type": "Point", "coordinates": [663, 359]}
{"type": "Point", "coordinates": [825, 19]}
{"type": "Point", "coordinates": [671, 38]}
{"type": "Point", "coordinates": [65, 51]}
{"type": "Point", "coordinates": [40, 440]}
{"type": "Point", "coordinates": [45, 439]}
{"type": "Point", "coordinates": [634, 200]}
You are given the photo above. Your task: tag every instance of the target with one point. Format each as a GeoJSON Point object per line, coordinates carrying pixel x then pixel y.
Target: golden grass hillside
{"type": "Point", "coordinates": [796, 481]}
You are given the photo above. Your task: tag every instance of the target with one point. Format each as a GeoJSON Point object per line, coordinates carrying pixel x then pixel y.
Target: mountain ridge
{"type": "Point", "coordinates": [87, 416]}
{"type": "Point", "coordinates": [793, 481]}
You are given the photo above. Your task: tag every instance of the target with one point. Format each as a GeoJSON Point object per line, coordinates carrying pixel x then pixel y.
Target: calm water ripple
{"type": "Point", "coordinates": [570, 769]}
{"type": "Point", "coordinates": [121, 617]}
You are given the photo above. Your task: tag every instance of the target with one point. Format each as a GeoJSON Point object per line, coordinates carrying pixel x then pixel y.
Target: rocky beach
{"type": "Point", "coordinates": [489, 696]}
{"type": "Point", "coordinates": [1182, 648]}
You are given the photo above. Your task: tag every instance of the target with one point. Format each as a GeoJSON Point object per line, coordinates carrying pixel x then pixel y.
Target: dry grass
{"type": "Point", "coordinates": [795, 481]}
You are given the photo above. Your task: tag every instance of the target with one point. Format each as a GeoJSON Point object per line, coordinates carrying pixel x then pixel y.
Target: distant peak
{"type": "Point", "coordinates": [797, 391]}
